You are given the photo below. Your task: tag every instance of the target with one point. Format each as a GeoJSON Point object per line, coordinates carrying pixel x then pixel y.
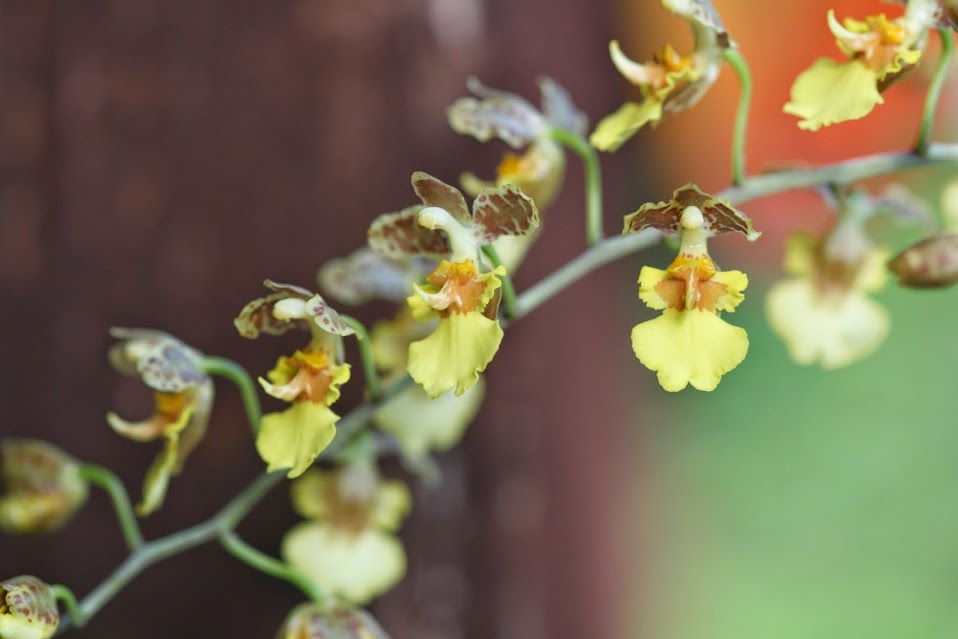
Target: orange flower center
{"type": "Point", "coordinates": [459, 286]}
{"type": "Point", "coordinates": [669, 59]}
{"type": "Point", "coordinates": [880, 45]}
{"type": "Point", "coordinates": [307, 371]}
{"type": "Point", "coordinates": [690, 285]}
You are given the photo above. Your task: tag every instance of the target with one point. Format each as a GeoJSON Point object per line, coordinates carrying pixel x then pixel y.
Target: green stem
{"type": "Point", "coordinates": [235, 373]}
{"type": "Point", "coordinates": [269, 565]}
{"type": "Point", "coordinates": [508, 289]}
{"type": "Point", "coordinates": [109, 482]}
{"type": "Point", "coordinates": [734, 58]}
{"type": "Point", "coordinates": [65, 596]}
{"type": "Point", "coordinates": [934, 92]}
{"type": "Point", "coordinates": [373, 386]}
{"type": "Point", "coordinates": [593, 181]}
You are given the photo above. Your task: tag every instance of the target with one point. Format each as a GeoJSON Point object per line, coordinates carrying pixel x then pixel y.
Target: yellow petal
{"type": "Point", "coordinates": [392, 504]}
{"type": "Point", "coordinates": [800, 253]}
{"type": "Point", "coordinates": [689, 347]}
{"type": "Point", "coordinates": [457, 351]}
{"type": "Point", "coordinates": [615, 129]}
{"type": "Point", "coordinates": [356, 567]}
{"type": "Point", "coordinates": [157, 478]}
{"type": "Point", "coordinates": [312, 493]}
{"type": "Point", "coordinates": [829, 92]}
{"type": "Point", "coordinates": [421, 424]}
{"type": "Point", "coordinates": [735, 282]}
{"type": "Point", "coordinates": [831, 332]}
{"type": "Point", "coordinates": [294, 438]}
{"type": "Point", "coordinates": [649, 279]}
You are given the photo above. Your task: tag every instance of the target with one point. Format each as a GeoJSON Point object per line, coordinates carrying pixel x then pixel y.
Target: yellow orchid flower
{"type": "Point", "coordinates": [824, 314]}
{"type": "Point", "coordinates": [670, 82]}
{"type": "Point", "coordinates": [28, 609]}
{"type": "Point", "coordinates": [183, 398]}
{"type": "Point", "coordinates": [458, 293]}
{"type": "Point", "coordinates": [348, 547]}
{"type": "Point", "coordinates": [880, 51]}
{"type": "Point", "coordinates": [330, 621]}
{"type": "Point", "coordinates": [690, 343]}
{"type": "Point", "coordinates": [309, 379]}
{"type": "Point", "coordinates": [40, 487]}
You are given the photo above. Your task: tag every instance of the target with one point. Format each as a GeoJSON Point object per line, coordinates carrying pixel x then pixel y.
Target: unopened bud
{"type": "Point", "coordinates": [28, 609]}
{"type": "Point", "coordinates": [316, 621]}
{"type": "Point", "coordinates": [40, 487]}
{"type": "Point", "coordinates": [931, 263]}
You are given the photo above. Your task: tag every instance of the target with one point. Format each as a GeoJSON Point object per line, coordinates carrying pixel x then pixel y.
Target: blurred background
{"type": "Point", "coordinates": [160, 159]}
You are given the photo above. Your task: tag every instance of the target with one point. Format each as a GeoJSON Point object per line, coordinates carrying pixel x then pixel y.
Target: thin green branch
{"type": "Point", "coordinates": [373, 387]}
{"type": "Point", "coordinates": [508, 289]}
{"type": "Point", "coordinates": [593, 181]}
{"type": "Point", "coordinates": [227, 368]}
{"type": "Point", "coordinates": [65, 596]}
{"type": "Point", "coordinates": [734, 58]}
{"type": "Point", "coordinates": [269, 565]}
{"type": "Point", "coordinates": [934, 92]}
{"type": "Point", "coordinates": [109, 482]}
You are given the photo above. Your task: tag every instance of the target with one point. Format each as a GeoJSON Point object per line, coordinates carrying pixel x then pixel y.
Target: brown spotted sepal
{"type": "Point", "coordinates": [931, 263]}
{"type": "Point", "coordinates": [288, 308]}
{"type": "Point", "coordinates": [259, 316]}
{"type": "Point", "coordinates": [28, 609]}
{"type": "Point", "coordinates": [364, 275]}
{"type": "Point", "coordinates": [331, 621]}
{"type": "Point", "coordinates": [704, 19]}
{"type": "Point", "coordinates": [40, 487]}
{"type": "Point", "coordinates": [719, 216]}
{"type": "Point", "coordinates": [444, 227]}
{"type": "Point", "coordinates": [163, 362]}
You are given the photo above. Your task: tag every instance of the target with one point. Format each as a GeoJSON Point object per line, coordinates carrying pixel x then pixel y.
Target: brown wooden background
{"type": "Point", "coordinates": [160, 159]}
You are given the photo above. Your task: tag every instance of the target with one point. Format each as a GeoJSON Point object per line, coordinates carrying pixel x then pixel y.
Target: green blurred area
{"type": "Point", "coordinates": [796, 503]}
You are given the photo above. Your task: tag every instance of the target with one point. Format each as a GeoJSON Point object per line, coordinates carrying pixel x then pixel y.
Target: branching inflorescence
{"type": "Point", "coordinates": [447, 262]}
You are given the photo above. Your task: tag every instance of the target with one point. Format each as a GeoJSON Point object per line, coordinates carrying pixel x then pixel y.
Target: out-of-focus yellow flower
{"type": "Point", "coordinates": [40, 487]}
{"type": "Point", "coordinates": [880, 51]}
{"type": "Point", "coordinates": [824, 314]}
{"type": "Point", "coordinates": [309, 379]}
{"type": "Point", "coordinates": [183, 396]}
{"type": "Point", "coordinates": [330, 621]}
{"type": "Point", "coordinates": [28, 609]}
{"type": "Point", "coordinates": [670, 82]}
{"type": "Point", "coordinates": [690, 343]}
{"type": "Point", "coordinates": [348, 547]}
{"type": "Point", "coordinates": [459, 292]}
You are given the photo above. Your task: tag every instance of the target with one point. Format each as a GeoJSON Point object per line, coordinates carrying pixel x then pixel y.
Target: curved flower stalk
{"type": "Point", "coordinates": [309, 379]}
{"type": "Point", "coordinates": [540, 170]}
{"type": "Point", "coordinates": [690, 343]}
{"type": "Point", "coordinates": [459, 293]}
{"type": "Point", "coordinates": [183, 398]}
{"type": "Point", "coordinates": [347, 546]}
{"type": "Point", "coordinates": [40, 487]}
{"type": "Point", "coordinates": [28, 609]}
{"type": "Point", "coordinates": [670, 82]}
{"type": "Point", "coordinates": [330, 621]}
{"type": "Point", "coordinates": [879, 50]}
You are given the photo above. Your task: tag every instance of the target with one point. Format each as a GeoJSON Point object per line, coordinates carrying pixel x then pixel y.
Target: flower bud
{"type": "Point", "coordinates": [931, 263]}
{"type": "Point", "coordinates": [28, 609]}
{"type": "Point", "coordinates": [314, 621]}
{"type": "Point", "coordinates": [40, 486]}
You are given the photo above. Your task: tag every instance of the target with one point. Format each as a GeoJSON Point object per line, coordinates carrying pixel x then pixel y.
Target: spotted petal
{"type": "Point", "coordinates": [40, 487]}
{"type": "Point", "coordinates": [364, 275]}
{"type": "Point", "coordinates": [259, 316]}
{"type": "Point", "coordinates": [559, 109]}
{"type": "Point", "coordinates": [434, 192]}
{"type": "Point", "coordinates": [720, 217]}
{"type": "Point", "coordinates": [399, 235]}
{"type": "Point", "coordinates": [496, 114]}
{"type": "Point", "coordinates": [163, 362]}
{"type": "Point", "coordinates": [28, 609]}
{"type": "Point", "coordinates": [829, 92]}
{"type": "Point", "coordinates": [294, 438]}
{"type": "Point", "coordinates": [503, 211]}
{"type": "Point", "coordinates": [689, 347]}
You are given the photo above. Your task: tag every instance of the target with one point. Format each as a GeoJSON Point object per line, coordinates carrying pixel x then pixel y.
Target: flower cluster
{"type": "Point", "coordinates": [690, 343]}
